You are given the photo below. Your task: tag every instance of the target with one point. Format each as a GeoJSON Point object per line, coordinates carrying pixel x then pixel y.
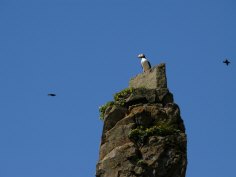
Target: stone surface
{"type": "Point", "coordinates": [155, 78]}
{"type": "Point", "coordinates": [143, 136]}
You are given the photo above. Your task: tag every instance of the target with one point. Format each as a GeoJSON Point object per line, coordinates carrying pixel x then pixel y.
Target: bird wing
{"type": "Point", "coordinates": [149, 64]}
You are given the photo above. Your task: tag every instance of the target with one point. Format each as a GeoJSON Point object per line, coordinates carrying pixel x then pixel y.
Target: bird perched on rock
{"type": "Point", "coordinates": [144, 62]}
{"type": "Point", "coordinates": [227, 62]}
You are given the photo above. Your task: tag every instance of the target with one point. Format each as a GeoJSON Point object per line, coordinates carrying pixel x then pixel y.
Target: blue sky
{"type": "Point", "coordinates": [85, 51]}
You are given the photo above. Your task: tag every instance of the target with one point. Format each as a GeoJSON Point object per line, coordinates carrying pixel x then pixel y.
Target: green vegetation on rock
{"type": "Point", "coordinates": [122, 95]}
{"type": "Point", "coordinates": [140, 134]}
{"type": "Point", "coordinates": [103, 108]}
{"type": "Point", "coordinates": [119, 99]}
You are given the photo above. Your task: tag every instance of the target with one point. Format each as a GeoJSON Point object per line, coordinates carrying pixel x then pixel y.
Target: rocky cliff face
{"type": "Point", "coordinates": [143, 133]}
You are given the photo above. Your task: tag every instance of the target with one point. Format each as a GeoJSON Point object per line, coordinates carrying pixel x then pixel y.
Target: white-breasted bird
{"type": "Point", "coordinates": [144, 62]}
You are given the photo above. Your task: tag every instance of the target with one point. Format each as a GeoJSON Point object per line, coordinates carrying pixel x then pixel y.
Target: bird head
{"type": "Point", "coordinates": [141, 55]}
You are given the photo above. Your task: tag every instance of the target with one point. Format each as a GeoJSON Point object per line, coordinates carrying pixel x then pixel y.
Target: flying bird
{"type": "Point", "coordinates": [144, 62]}
{"type": "Point", "coordinates": [227, 62]}
{"type": "Point", "coordinates": [51, 94]}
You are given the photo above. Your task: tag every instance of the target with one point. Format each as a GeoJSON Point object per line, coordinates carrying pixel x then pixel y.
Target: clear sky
{"type": "Point", "coordinates": [85, 51]}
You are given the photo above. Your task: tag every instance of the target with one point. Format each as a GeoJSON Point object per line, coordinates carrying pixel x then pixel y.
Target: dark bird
{"type": "Point", "coordinates": [51, 94]}
{"type": "Point", "coordinates": [227, 62]}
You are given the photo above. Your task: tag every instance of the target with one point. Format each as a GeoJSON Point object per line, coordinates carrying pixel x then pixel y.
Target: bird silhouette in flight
{"type": "Point", "coordinates": [51, 94]}
{"type": "Point", "coordinates": [227, 62]}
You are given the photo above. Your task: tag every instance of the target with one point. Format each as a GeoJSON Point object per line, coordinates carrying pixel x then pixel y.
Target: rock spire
{"type": "Point", "coordinates": [143, 133]}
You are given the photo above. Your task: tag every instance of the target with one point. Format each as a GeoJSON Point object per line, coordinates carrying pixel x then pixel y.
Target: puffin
{"type": "Point", "coordinates": [144, 62]}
